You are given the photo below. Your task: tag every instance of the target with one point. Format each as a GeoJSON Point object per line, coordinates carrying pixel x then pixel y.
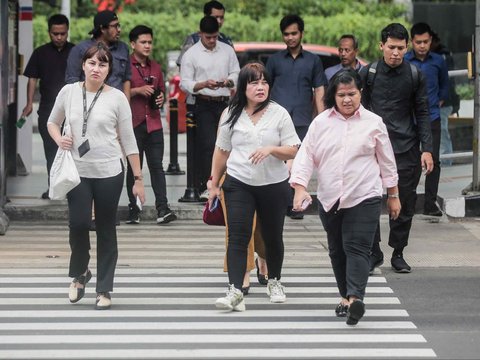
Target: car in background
{"type": "Point", "coordinates": [246, 51]}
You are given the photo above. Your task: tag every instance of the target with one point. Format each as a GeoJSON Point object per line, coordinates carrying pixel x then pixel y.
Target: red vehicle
{"type": "Point", "coordinates": [247, 51]}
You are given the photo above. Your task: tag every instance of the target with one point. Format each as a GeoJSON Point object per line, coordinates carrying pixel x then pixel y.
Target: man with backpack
{"type": "Point", "coordinates": [395, 90]}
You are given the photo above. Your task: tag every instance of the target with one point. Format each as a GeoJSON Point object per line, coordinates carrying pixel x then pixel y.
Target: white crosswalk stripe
{"type": "Point", "coordinates": [163, 302]}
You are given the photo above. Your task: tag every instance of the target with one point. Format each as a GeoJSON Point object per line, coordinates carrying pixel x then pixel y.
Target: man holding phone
{"type": "Point", "coordinates": [146, 98]}
{"type": "Point", "coordinates": [211, 85]}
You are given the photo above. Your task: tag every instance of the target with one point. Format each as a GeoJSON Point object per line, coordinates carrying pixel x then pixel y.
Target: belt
{"type": "Point", "coordinates": [213, 98]}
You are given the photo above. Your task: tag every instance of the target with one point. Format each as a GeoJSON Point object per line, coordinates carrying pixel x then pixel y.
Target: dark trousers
{"type": "Point", "coordinates": [350, 234]}
{"type": "Point", "coordinates": [49, 146]}
{"type": "Point", "coordinates": [152, 145]}
{"type": "Point", "coordinates": [432, 179]}
{"type": "Point", "coordinates": [270, 203]}
{"type": "Point", "coordinates": [409, 171]}
{"type": "Point", "coordinates": [207, 116]}
{"type": "Point", "coordinates": [105, 194]}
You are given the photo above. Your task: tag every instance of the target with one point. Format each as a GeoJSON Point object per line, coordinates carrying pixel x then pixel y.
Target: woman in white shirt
{"type": "Point", "coordinates": [100, 133]}
{"type": "Point", "coordinates": [255, 138]}
{"type": "Point", "coordinates": [349, 148]}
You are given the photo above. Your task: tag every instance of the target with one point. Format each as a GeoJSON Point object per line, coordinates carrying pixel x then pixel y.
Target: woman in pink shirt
{"type": "Point", "coordinates": [349, 148]}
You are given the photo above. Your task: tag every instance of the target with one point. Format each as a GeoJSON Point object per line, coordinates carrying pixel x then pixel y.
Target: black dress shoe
{"type": "Point", "coordinates": [74, 293]}
{"type": "Point", "coordinates": [376, 260]}
{"type": "Point", "coordinates": [341, 310]}
{"type": "Point", "coordinates": [45, 195]}
{"type": "Point", "coordinates": [355, 312]}
{"type": "Point", "coordinates": [262, 279]}
{"type": "Point", "coordinates": [432, 211]}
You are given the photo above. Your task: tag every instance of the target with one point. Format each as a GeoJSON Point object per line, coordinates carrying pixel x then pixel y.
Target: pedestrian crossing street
{"type": "Point", "coordinates": [167, 280]}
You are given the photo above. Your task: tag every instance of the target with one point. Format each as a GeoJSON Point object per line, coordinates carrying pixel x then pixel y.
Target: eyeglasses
{"type": "Point", "coordinates": [117, 25]}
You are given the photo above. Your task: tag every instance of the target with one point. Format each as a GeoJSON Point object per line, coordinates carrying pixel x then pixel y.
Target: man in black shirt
{"type": "Point", "coordinates": [397, 93]}
{"type": "Point", "coordinates": [47, 64]}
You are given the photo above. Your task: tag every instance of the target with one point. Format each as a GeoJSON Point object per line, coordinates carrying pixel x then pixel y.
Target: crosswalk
{"type": "Point", "coordinates": [163, 302]}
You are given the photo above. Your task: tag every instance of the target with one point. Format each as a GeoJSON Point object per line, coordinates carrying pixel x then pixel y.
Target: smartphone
{"type": "Point", "coordinates": [220, 83]}
{"type": "Point", "coordinates": [305, 204]}
{"type": "Point", "coordinates": [214, 204]}
{"type": "Point", "coordinates": [139, 204]}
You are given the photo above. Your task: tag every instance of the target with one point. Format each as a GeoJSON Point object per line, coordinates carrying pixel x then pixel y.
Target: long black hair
{"type": "Point", "coordinates": [252, 71]}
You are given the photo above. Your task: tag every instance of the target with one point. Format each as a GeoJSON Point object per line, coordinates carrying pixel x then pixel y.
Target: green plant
{"type": "Point", "coordinates": [465, 91]}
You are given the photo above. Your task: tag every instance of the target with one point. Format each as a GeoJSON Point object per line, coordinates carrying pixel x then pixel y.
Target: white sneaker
{"type": "Point", "coordinates": [204, 195]}
{"type": "Point", "coordinates": [276, 291]}
{"type": "Point", "coordinates": [233, 301]}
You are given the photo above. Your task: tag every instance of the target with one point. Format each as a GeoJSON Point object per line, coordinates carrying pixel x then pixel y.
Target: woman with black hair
{"type": "Point", "coordinates": [349, 148]}
{"type": "Point", "coordinates": [255, 138]}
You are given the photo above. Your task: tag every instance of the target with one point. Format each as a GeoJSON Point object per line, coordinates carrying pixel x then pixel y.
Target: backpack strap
{"type": "Point", "coordinates": [371, 73]}
{"type": "Point", "coordinates": [415, 77]}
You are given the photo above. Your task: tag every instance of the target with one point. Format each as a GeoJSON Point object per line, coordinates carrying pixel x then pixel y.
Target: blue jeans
{"type": "Point", "coordinates": [445, 140]}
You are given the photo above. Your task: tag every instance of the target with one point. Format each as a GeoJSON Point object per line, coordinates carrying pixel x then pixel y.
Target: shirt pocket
{"type": "Point", "coordinates": [119, 66]}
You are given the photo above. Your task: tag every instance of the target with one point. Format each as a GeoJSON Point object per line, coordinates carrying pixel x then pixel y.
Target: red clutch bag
{"type": "Point", "coordinates": [213, 215]}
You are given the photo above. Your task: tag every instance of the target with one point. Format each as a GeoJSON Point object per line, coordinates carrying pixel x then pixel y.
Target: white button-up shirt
{"type": "Point", "coordinates": [200, 64]}
{"type": "Point", "coordinates": [274, 128]}
{"type": "Point", "coordinates": [353, 158]}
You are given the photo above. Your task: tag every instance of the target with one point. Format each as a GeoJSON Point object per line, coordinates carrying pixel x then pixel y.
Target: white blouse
{"type": "Point", "coordinates": [109, 129]}
{"type": "Point", "coordinates": [274, 128]}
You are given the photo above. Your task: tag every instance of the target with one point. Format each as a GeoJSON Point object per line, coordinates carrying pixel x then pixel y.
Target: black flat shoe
{"type": "Point", "coordinates": [245, 290]}
{"type": "Point", "coordinates": [262, 279]}
{"type": "Point", "coordinates": [355, 312]}
{"type": "Point", "coordinates": [76, 294]}
{"type": "Point", "coordinates": [341, 310]}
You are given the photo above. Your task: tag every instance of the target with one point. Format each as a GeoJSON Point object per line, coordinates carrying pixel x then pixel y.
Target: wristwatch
{"type": "Point", "coordinates": [139, 177]}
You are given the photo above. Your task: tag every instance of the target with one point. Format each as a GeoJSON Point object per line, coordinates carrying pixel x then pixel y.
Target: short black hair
{"type": "Point", "coordinates": [420, 28]}
{"type": "Point", "coordinates": [57, 19]}
{"type": "Point", "coordinates": [207, 8]}
{"type": "Point", "coordinates": [352, 37]}
{"type": "Point", "coordinates": [344, 76]}
{"type": "Point", "coordinates": [290, 20]}
{"type": "Point", "coordinates": [394, 31]}
{"type": "Point", "coordinates": [139, 30]}
{"type": "Point", "coordinates": [209, 25]}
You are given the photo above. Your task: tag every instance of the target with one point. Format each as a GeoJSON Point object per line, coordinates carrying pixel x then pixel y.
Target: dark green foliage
{"type": "Point", "coordinates": [246, 20]}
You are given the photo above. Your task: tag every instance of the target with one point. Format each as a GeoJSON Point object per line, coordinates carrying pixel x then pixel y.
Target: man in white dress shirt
{"type": "Point", "coordinates": [209, 70]}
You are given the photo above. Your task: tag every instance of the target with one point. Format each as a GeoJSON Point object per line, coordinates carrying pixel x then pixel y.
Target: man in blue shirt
{"type": "Point", "coordinates": [298, 80]}
{"type": "Point", "coordinates": [347, 51]}
{"type": "Point", "coordinates": [106, 29]}
{"type": "Point", "coordinates": [434, 68]}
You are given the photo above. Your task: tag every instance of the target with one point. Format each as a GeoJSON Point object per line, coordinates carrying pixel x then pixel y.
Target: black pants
{"type": "Point", "coordinates": [207, 116]}
{"type": "Point", "coordinates": [432, 179]}
{"type": "Point", "coordinates": [409, 171]}
{"type": "Point", "coordinates": [49, 146]}
{"type": "Point", "coordinates": [350, 234]}
{"type": "Point", "coordinates": [152, 145]}
{"type": "Point", "coordinates": [270, 203]}
{"type": "Point", "coordinates": [105, 194]}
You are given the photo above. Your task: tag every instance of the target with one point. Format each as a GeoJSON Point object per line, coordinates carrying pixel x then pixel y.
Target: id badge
{"type": "Point", "coordinates": [84, 148]}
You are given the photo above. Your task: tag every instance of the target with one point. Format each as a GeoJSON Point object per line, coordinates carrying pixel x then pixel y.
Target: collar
{"type": "Point", "coordinates": [207, 50]}
{"type": "Point", "coordinates": [286, 53]}
{"type": "Point", "coordinates": [411, 55]}
{"type": "Point", "coordinates": [135, 61]}
{"type": "Point", "coordinates": [333, 112]}
{"type": "Point", "coordinates": [386, 68]}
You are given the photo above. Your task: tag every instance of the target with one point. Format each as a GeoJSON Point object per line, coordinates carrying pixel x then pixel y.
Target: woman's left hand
{"type": "Point", "coordinates": [260, 154]}
{"type": "Point", "coordinates": [394, 207]}
{"type": "Point", "coordinates": [139, 190]}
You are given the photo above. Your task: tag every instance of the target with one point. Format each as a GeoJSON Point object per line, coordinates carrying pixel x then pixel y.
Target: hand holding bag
{"type": "Point", "coordinates": [63, 174]}
{"type": "Point", "coordinates": [213, 215]}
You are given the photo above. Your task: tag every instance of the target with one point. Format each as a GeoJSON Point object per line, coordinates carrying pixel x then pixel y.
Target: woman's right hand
{"type": "Point", "coordinates": [213, 191]}
{"type": "Point", "coordinates": [301, 196]}
{"type": "Point", "coordinates": [66, 142]}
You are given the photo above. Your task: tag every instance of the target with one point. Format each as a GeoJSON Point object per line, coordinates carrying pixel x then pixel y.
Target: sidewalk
{"type": "Point", "coordinates": [25, 203]}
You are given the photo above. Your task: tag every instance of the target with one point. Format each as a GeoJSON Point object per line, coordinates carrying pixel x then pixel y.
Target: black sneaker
{"type": "Point", "coordinates": [376, 260]}
{"type": "Point", "coordinates": [133, 214]}
{"type": "Point", "coordinates": [165, 216]}
{"type": "Point", "coordinates": [296, 215]}
{"type": "Point", "coordinates": [45, 195]}
{"type": "Point", "coordinates": [432, 210]}
{"type": "Point", "coordinates": [399, 264]}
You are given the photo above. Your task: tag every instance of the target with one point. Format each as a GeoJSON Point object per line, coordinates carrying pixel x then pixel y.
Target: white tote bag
{"type": "Point", "coordinates": [63, 174]}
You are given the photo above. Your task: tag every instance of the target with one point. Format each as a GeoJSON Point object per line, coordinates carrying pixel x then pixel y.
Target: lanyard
{"type": "Point", "coordinates": [86, 113]}
{"type": "Point", "coordinates": [147, 79]}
